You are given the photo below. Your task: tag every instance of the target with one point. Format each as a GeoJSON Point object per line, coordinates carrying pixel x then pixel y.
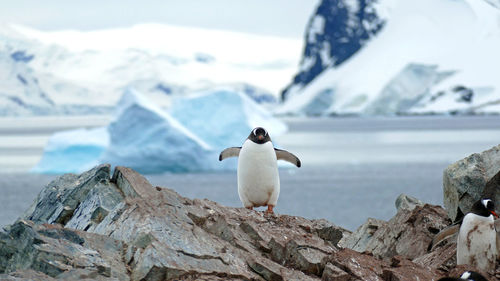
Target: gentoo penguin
{"type": "Point", "coordinates": [258, 178]}
{"type": "Point", "coordinates": [476, 245]}
{"type": "Point", "coordinates": [468, 275]}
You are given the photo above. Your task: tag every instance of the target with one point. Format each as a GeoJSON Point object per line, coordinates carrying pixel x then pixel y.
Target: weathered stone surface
{"type": "Point", "coordinates": [360, 238]}
{"type": "Point", "coordinates": [131, 183]}
{"type": "Point", "coordinates": [95, 207]}
{"type": "Point", "coordinates": [407, 203]}
{"type": "Point", "coordinates": [26, 275]}
{"type": "Point", "coordinates": [126, 229]}
{"type": "Point", "coordinates": [403, 269]}
{"type": "Point", "coordinates": [351, 265]}
{"type": "Point", "coordinates": [53, 250]}
{"type": "Point", "coordinates": [333, 273]}
{"type": "Point", "coordinates": [57, 202]}
{"type": "Point", "coordinates": [409, 233]}
{"type": "Point", "coordinates": [359, 266]}
{"type": "Point", "coordinates": [464, 181]}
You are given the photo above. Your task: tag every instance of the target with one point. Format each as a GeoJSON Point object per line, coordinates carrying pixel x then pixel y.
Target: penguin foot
{"type": "Point", "coordinates": [250, 208]}
{"type": "Point", "coordinates": [269, 209]}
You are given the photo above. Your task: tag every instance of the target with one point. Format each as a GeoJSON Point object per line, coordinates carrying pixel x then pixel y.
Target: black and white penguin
{"type": "Point", "coordinates": [468, 275]}
{"type": "Point", "coordinates": [476, 244]}
{"type": "Point", "coordinates": [258, 178]}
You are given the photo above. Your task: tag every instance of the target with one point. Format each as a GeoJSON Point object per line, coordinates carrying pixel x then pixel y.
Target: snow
{"type": "Point", "coordinates": [148, 139]}
{"type": "Point", "coordinates": [461, 38]}
{"type": "Point", "coordinates": [317, 26]}
{"type": "Point", "coordinates": [176, 55]}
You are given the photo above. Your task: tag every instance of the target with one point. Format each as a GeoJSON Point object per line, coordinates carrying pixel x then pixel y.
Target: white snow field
{"type": "Point", "coordinates": [94, 67]}
{"type": "Point", "coordinates": [151, 140]}
{"type": "Point", "coordinates": [428, 58]}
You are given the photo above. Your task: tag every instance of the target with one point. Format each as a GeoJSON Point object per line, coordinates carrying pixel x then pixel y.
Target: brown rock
{"type": "Point", "coordinates": [409, 233]}
{"type": "Point", "coordinates": [333, 273]}
{"type": "Point", "coordinates": [147, 233]}
{"type": "Point", "coordinates": [405, 270]}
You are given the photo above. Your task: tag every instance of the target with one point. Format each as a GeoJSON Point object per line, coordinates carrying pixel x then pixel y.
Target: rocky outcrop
{"type": "Point", "coordinates": [465, 181]}
{"type": "Point", "coordinates": [408, 234]}
{"type": "Point", "coordinates": [103, 226]}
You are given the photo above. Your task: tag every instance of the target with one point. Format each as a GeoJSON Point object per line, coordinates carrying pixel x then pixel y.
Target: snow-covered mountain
{"type": "Point", "coordinates": [89, 70]}
{"type": "Point", "coordinates": [399, 57]}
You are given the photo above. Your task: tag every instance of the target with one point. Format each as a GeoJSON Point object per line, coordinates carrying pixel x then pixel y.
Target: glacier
{"type": "Point", "coordinates": [145, 137]}
{"type": "Point", "coordinates": [81, 71]}
{"type": "Point", "coordinates": [423, 54]}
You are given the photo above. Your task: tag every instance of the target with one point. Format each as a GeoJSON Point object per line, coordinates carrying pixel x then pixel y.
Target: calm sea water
{"type": "Point", "coordinates": [353, 168]}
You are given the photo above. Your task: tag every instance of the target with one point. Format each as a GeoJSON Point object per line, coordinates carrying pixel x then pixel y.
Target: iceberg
{"type": "Point", "coordinates": [150, 140]}
{"type": "Point", "coordinates": [73, 151]}
{"type": "Point", "coordinates": [224, 118]}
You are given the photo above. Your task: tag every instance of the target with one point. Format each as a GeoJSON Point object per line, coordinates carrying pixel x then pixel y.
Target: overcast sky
{"type": "Point", "coordinates": [286, 18]}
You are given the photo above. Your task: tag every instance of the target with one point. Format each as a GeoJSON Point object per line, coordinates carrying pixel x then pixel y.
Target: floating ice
{"type": "Point", "coordinates": [73, 151]}
{"type": "Point", "coordinates": [146, 138]}
{"type": "Point", "coordinates": [224, 118]}
{"type": "Point", "coordinates": [149, 140]}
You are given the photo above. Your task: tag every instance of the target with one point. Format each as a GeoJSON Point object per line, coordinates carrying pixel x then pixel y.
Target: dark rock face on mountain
{"type": "Point", "coordinates": [103, 226]}
{"type": "Point", "coordinates": [337, 30]}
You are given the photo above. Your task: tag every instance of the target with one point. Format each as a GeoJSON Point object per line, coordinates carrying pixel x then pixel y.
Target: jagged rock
{"type": "Point", "coordinates": [359, 239]}
{"type": "Point", "coordinates": [57, 202]}
{"type": "Point", "coordinates": [53, 250]}
{"type": "Point", "coordinates": [333, 273]}
{"type": "Point", "coordinates": [403, 269]}
{"type": "Point", "coordinates": [407, 203]}
{"type": "Point", "coordinates": [408, 233]}
{"type": "Point", "coordinates": [361, 266]}
{"type": "Point", "coordinates": [125, 229]}
{"type": "Point", "coordinates": [464, 181]}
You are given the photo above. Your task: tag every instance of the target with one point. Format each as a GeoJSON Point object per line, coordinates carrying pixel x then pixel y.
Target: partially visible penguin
{"type": "Point", "coordinates": [468, 275]}
{"type": "Point", "coordinates": [258, 178]}
{"type": "Point", "coordinates": [476, 244]}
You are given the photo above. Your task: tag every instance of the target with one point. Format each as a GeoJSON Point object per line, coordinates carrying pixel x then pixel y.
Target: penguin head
{"type": "Point", "coordinates": [484, 207]}
{"type": "Point", "coordinates": [259, 135]}
{"type": "Point", "coordinates": [468, 275]}
{"type": "Point", "coordinates": [472, 276]}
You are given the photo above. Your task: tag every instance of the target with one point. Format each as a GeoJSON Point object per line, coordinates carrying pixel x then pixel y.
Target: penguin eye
{"type": "Point", "coordinates": [487, 203]}
{"type": "Point", "coordinates": [265, 132]}
{"type": "Point", "coordinates": [254, 132]}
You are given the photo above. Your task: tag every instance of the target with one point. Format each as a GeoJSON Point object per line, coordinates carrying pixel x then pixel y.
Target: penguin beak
{"type": "Point", "coordinates": [493, 213]}
{"type": "Point", "coordinates": [260, 137]}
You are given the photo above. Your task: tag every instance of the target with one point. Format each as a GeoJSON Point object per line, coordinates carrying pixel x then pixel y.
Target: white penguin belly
{"type": "Point", "coordinates": [258, 178]}
{"type": "Point", "coordinates": [476, 243]}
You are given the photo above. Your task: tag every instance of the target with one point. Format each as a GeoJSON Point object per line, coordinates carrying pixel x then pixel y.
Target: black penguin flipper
{"type": "Point", "coordinates": [287, 156]}
{"type": "Point", "coordinates": [229, 152]}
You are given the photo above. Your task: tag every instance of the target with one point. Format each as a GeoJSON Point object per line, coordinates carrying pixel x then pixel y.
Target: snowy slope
{"type": "Point", "coordinates": [160, 60]}
{"type": "Point", "coordinates": [334, 33]}
{"type": "Point", "coordinates": [429, 55]}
